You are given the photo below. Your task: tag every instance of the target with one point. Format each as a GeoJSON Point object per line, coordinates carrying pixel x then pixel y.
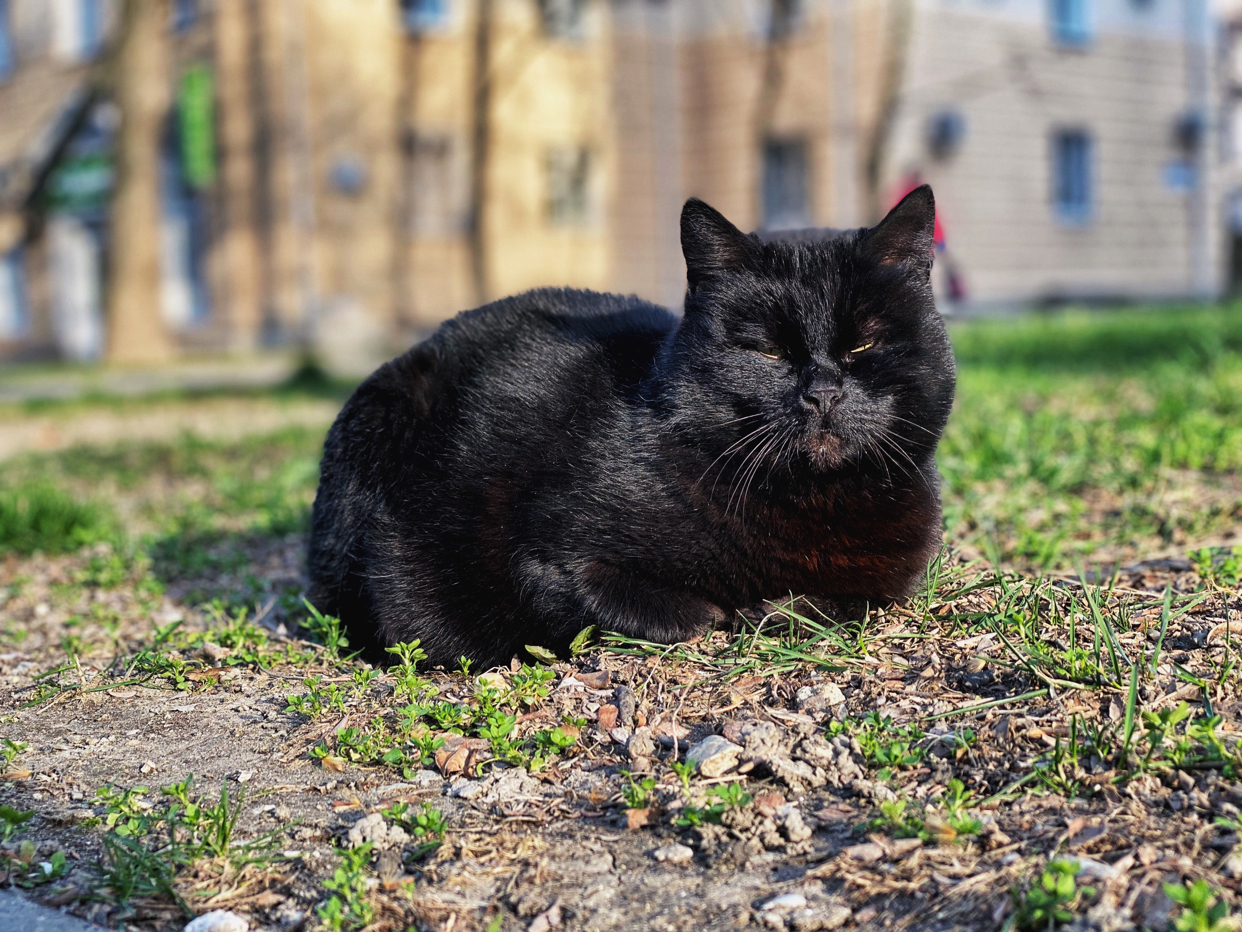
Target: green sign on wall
{"type": "Point", "coordinates": [196, 109]}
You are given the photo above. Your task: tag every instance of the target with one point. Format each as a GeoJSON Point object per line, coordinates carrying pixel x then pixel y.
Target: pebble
{"type": "Point", "coordinates": [547, 919]}
{"type": "Point", "coordinates": [641, 744]}
{"type": "Point", "coordinates": [623, 698]}
{"type": "Point", "coordinates": [866, 852]}
{"type": "Point", "coordinates": [673, 854]}
{"type": "Point", "coordinates": [374, 829]}
{"type": "Point", "coordinates": [714, 756]}
{"type": "Point", "coordinates": [785, 901]}
{"type": "Point", "coordinates": [220, 920]}
{"type": "Point", "coordinates": [607, 717]}
{"type": "Point", "coordinates": [465, 789]}
{"type": "Point", "coordinates": [1095, 870]}
{"type": "Point", "coordinates": [818, 698]}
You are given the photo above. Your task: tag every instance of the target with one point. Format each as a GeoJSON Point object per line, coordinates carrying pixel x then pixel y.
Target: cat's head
{"type": "Point", "coordinates": [831, 352]}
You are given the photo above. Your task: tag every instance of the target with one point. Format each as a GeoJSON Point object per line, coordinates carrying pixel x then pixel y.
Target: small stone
{"type": "Point", "coordinates": [637, 818]}
{"type": "Point", "coordinates": [493, 678]}
{"type": "Point", "coordinates": [713, 756]}
{"type": "Point", "coordinates": [1233, 866]}
{"type": "Point", "coordinates": [620, 735]}
{"type": "Point", "coordinates": [785, 901]}
{"type": "Point", "coordinates": [215, 653]}
{"type": "Point", "coordinates": [640, 744]}
{"type": "Point", "coordinates": [465, 789]}
{"type": "Point", "coordinates": [219, 920]}
{"type": "Point", "coordinates": [865, 915]}
{"type": "Point", "coordinates": [626, 703]}
{"type": "Point", "coordinates": [374, 829]}
{"type": "Point", "coordinates": [821, 698]}
{"type": "Point", "coordinates": [768, 803]}
{"type": "Point", "coordinates": [832, 917]}
{"type": "Point", "coordinates": [673, 854]}
{"type": "Point", "coordinates": [607, 716]}
{"type": "Point", "coordinates": [866, 852]}
{"type": "Point", "coordinates": [547, 919]}
{"type": "Point", "coordinates": [1095, 870]}
{"type": "Point", "coordinates": [148, 767]}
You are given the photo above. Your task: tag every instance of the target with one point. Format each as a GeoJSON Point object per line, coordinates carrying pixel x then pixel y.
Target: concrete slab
{"type": "Point", "coordinates": [18, 914]}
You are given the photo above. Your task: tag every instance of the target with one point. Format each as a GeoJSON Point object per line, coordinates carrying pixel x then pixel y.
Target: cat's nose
{"type": "Point", "coordinates": [823, 393]}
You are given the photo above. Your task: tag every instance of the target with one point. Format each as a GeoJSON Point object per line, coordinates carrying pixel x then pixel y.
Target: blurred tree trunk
{"type": "Point", "coordinates": [140, 86]}
{"type": "Point", "coordinates": [480, 144]}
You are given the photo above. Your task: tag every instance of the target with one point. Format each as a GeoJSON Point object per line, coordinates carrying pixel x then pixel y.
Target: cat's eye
{"type": "Point", "coordinates": [767, 351]}
{"type": "Point", "coordinates": [862, 349]}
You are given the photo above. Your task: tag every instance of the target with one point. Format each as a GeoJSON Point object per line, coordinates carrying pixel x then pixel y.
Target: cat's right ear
{"type": "Point", "coordinates": [712, 245]}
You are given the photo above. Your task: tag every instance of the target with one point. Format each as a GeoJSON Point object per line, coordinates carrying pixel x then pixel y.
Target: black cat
{"type": "Point", "coordinates": [563, 458]}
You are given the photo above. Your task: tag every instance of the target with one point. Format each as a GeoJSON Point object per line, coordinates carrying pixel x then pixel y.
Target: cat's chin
{"type": "Point", "coordinates": [826, 451]}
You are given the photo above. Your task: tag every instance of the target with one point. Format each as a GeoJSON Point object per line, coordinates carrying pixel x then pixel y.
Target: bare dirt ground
{"type": "Point", "coordinates": [924, 770]}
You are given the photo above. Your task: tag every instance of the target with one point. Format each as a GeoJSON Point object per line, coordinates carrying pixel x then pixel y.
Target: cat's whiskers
{"type": "Point", "coordinates": [891, 440]}
{"type": "Point", "coordinates": [731, 451]}
{"type": "Point", "coordinates": [756, 460]}
{"type": "Point", "coordinates": [917, 426]}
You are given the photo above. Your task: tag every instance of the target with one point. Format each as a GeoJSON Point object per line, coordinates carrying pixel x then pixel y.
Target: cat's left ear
{"type": "Point", "coordinates": [712, 245]}
{"type": "Point", "coordinates": [907, 235]}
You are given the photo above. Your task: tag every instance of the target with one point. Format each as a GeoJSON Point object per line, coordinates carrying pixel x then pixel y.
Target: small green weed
{"type": "Point", "coordinates": [719, 799]}
{"type": "Point", "coordinates": [1219, 566]}
{"type": "Point", "coordinates": [9, 751]}
{"type": "Point", "coordinates": [425, 824]}
{"type": "Point", "coordinates": [1202, 909]}
{"type": "Point", "coordinates": [637, 795]}
{"type": "Point", "coordinates": [13, 821]}
{"type": "Point", "coordinates": [349, 907]}
{"type": "Point", "coordinates": [1051, 901]}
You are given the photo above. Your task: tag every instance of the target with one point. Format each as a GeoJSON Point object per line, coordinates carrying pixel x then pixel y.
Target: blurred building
{"type": "Point", "coordinates": [348, 173]}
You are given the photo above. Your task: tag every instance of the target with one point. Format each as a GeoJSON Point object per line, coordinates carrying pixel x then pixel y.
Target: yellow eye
{"type": "Point", "coordinates": [768, 351]}
{"type": "Point", "coordinates": [863, 348]}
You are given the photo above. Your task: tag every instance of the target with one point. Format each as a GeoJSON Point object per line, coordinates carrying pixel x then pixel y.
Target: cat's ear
{"type": "Point", "coordinates": [907, 235]}
{"type": "Point", "coordinates": [712, 245]}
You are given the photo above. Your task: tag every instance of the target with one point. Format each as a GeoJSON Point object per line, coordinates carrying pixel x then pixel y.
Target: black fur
{"type": "Point", "coordinates": [563, 458]}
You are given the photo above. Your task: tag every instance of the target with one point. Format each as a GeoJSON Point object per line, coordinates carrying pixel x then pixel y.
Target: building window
{"type": "Point", "coordinates": [420, 15]}
{"type": "Point", "coordinates": [786, 197]}
{"type": "Point", "coordinates": [14, 314]}
{"type": "Point", "coordinates": [1071, 175]}
{"type": "Point", "coordinates": [78, 29]}
{"type": "Point", "coordinates": [8, 60]}
{"type": "Point", "coordinates": [184, 14]}
{"type": "Point", "coordinates": [569, 184]}
{"type": "Point", "coordinates": [562, 19]}
{"type": "Point", "coordinates": [1071, 22]}
{"type": "Point", "coordinates": [785, 17]}
{"type": "Point", "coordinates": [437, 189]}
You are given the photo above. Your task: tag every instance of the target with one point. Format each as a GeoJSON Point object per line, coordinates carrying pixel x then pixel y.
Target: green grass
{"type": "Point", "coordinates": [1070, 430]}
{"type": "Point", "coordinates": [38, 516]}
{"type": "Point", "coordinates": [1073, 435]}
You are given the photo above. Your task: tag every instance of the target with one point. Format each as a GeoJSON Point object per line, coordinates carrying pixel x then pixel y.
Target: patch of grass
{"type": "Point", "coordinates": [39, 516]}
{"type": "Point", "coordinates": [149, 843]}
{"type": "Point", "coordinates": [1203, 910]}
{"type": "Point", "coordinates": [349, 907]}
{"type": "Point", "coordinates": [1051, 901]}
{"type": "Point", "coordinates": [426, 825]}
{"type": "Point", "coordinates": [1067, 428]}
{"type": "Point", "coordinates": [717, 801]}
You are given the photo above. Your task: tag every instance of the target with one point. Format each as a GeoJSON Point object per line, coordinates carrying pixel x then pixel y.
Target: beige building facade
{"type": "Point", "coordinates": [344, 174]}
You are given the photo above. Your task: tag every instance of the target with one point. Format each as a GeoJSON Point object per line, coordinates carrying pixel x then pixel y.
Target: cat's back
{"type": "Point", "coordinates": [488, 390]}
